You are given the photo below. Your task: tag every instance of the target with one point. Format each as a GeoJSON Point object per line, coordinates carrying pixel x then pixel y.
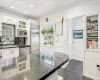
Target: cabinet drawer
{"type": "Point", "coordinates": [9, 20]}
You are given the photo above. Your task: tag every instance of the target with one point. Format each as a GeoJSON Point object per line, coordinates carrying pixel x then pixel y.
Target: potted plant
{"type": "Point", "coordinates": [43, 31]}
{"type": "Point", "coordinates": [48, 31]}
{"type": "Point", "coordinates": [51, 30]}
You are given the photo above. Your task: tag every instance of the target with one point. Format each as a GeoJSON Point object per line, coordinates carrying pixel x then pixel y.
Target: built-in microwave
{"type": "Point", "coordinates": [22, 33]}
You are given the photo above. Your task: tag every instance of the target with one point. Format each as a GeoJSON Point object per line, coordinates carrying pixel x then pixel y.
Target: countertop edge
{"type": "Point", "coordinates": [22, 46]}
{"type": "Point", "coordinates": [54, 70]}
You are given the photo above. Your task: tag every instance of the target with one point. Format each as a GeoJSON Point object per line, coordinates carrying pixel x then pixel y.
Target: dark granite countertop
{"type": "Point", "coordinates": [14, 46]}
{"type": "Point", "coordinates": [22, 46]}
{"type": "Point", "coordinates": [44, 64]}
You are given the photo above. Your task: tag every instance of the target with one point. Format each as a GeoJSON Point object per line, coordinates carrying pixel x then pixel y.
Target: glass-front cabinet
{"type": "Point", "coordinates": [21, 30]}
{"type": "Point", "coordinates": [22, 24]}
{"type": "Point", "coordinates": [8, 34]}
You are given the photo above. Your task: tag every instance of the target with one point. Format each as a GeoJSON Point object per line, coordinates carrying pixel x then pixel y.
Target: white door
{"type": "Point", "coordinates": [78, 44]}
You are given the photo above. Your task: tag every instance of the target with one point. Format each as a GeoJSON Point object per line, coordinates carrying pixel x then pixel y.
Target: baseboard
{"type": "Point", "coordinates": [92, 77]}
{"type": "Point", "coordinates": [65, 65]}
{"type": "Point", "coordinates": [60, 78]}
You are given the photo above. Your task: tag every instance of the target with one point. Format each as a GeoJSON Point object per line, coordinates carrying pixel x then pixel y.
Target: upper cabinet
{"type": "Point", "coordinates": [21, 28]}
{"type": "Point", "coordinates": [8, 20]}
{"type": "Point", "coordinates": [22, 24]}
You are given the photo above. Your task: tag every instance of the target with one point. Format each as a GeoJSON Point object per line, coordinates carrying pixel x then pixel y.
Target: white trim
{"type": "Point", "coordinates": [60, 77]}
{"type": "Point", "coordinates": [93, 50]}
{"type": "Point", "coordinates": [65, 65]}
{"type": "Point", "coordinates": [92, 77]}
{"type": "Point", "coordinates": [82, 15]}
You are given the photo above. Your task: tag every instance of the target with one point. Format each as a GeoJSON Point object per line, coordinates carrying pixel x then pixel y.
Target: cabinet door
{"type": "Point", "coordinates": [22, 24]}
{"type": "Point", "coordinates": [10, 53]}
{"type": "Point", "coordinates": [16, 52]}
{"type": "Point", "coordinates": [7, 19]}
{"type": "Point", "coordinates": [7, 53]}
{"type": "Point", "coordinates": [0, 53]}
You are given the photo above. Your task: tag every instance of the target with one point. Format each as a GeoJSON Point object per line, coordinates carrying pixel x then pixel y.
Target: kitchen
{"type": "Point", "coordinates": [18, 56]}
{"type": "Point", "coordinates": [49, 40]}
{"type": "Point", "coordinates": [14, 45]}
{"type": "Point", "coordinates": [16, 52]}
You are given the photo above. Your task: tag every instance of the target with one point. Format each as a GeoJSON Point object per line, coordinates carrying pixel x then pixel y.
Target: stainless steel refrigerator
{"type": "Point", "coordinates": [35, 39]}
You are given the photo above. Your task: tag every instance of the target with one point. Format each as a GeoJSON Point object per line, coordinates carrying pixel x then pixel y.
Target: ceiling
{"type": "Point", "coordinates": [41, 7]}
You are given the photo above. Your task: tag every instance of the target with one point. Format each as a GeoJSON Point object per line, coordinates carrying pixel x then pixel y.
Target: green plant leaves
{"type": "Point", "coordinates": [48, 31]}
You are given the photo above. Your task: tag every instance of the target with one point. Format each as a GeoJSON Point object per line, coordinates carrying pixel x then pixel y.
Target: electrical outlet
{"type": "Point", "coordinates": [98, 67]}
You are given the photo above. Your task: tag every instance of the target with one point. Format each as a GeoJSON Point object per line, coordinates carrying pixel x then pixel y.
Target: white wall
{"type": "Point", "coordinates": [87, 8]}
{"type": "Point", "coordinates": [52, 19]}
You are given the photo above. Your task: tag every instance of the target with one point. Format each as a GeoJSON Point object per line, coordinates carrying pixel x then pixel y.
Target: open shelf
{"type": "Point", "coordinates": [48, 36]}
{"type": "Point", "coordinates": [92, 37]}
{"type": "Point", "coordinates": [92, 32]}
{"type": "Point", "coordinates": [93, 50]}
{"type": "Point", "coordinates": [92, 24]}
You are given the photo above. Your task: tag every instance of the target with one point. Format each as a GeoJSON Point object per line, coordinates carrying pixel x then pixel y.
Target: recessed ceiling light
{"type": "Point", "coordinates": [32, 6]}
{"type": "Point", "coordinates": [11, 6]}
{"type": "Point", "coordinates": [25, 12]}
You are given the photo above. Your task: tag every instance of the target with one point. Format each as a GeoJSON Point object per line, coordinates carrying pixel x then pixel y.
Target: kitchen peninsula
{"type": "Point", "coordinates": [43, 66]}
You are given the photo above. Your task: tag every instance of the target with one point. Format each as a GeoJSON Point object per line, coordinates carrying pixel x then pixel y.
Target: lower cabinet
{"type": "Point", "coordinates": [10, 53]}
{"type": "Point", "coordinates": [0, 52]}
{"type": "Point", "coordinates": [14, 63]}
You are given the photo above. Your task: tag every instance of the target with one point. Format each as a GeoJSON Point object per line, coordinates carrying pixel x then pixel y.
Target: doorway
{"type": "Point", "coordinates": [75, 46]}
{"type": "Point", "coordinates": [78, 44]}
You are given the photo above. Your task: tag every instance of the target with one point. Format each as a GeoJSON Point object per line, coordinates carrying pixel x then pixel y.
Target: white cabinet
{"type": "Point", "coordinates": [22, 24]}
{"type": "Point", "coordinates": [10, 53]}
{"type": "Point", "coordinates": [16, 52]}
{"type": "Point", "coordinates": [9, 20]}
{"type": "Point", "coordinates": [21, 29]}
{"type": "Point", "coordinates": [0, 53]}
